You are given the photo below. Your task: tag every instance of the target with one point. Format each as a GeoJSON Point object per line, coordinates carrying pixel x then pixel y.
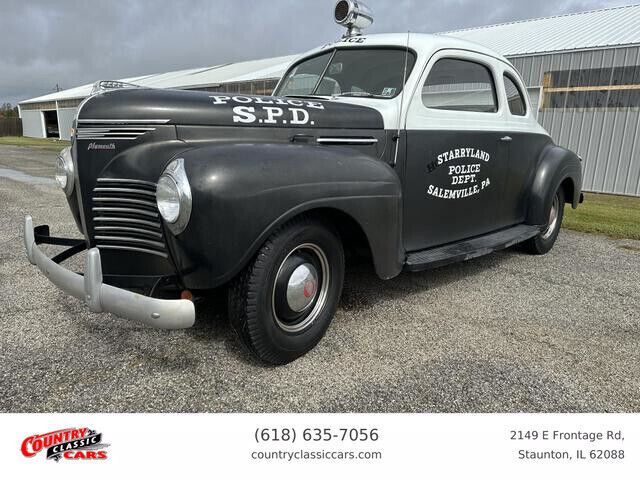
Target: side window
{"type": "Point", "coordinates": [460, 85]}
{"type": "Point", "coordinates": [517, 105]}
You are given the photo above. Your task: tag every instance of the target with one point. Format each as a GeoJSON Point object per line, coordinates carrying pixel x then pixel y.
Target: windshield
{"type": "Point", "coordinates": [373, 72]}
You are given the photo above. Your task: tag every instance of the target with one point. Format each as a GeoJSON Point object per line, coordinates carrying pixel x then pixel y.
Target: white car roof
{"type": "Point", "coordinates": [423, 44]}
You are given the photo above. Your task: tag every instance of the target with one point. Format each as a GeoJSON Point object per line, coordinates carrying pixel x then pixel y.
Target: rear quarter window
{"type": "Point", "coordinates": [515, 99]}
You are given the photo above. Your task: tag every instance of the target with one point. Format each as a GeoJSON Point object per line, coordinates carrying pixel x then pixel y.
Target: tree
{"type": "Point", "coordinates": [8, 111]}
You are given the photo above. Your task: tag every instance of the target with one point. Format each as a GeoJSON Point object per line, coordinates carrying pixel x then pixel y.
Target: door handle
{"type": "Point", "coordinates": [506, 139]}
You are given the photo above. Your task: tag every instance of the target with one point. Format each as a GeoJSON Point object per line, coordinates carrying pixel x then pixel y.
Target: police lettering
{"type": "Point", "coordinates": [271, 111]}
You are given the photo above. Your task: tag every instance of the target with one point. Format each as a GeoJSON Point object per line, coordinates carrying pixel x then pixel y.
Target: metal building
{"type": "Point", "coordinates": [583, 73]}
{"type": "Point", "coordinates": [582, 70]}
{"type": "Point", "coordinates": [51, 116]}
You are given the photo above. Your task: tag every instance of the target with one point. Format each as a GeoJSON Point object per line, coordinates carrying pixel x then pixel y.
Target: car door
{"type": "Point", "coordinates": [457, 152]}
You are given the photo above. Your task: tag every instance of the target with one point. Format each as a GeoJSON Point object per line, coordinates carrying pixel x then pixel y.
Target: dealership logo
{"type": "Point", "coordinates": [70, 443]}
{"type": "Point", "coordinates": [101, 146]}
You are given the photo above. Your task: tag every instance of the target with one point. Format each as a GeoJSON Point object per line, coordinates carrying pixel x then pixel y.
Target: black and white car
{"type": "Point", "coordinates": [413, 150]}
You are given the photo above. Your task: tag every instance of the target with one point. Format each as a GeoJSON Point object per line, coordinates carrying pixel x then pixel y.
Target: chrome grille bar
{"type": "Point", "coordinates": [124, 190]}
{"type": "Point", "coordinates": [117, 228]}
{"type": "Point", "coordinates": [94, 129]}
{"type": "Point", "coordinates": [126, 217]}
{"type": "Point", "coordinates": [124, 200]}
{"type": "Point", "coordinates": [126, 180]}
{"type": "Point", "coordinates": [125, 210]}
{"type": "Point", "coordinates": [142, 241]}
{"type": "Point", "coordinates": [126, 220]}
{"type": "Point", "coordinates": [121, 121]}
{"type": "Point", "coordinates": [132, 249]}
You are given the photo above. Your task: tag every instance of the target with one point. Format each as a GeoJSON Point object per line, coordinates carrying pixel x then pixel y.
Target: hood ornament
{"type": "Point", "coordinates": [354, 15]}
{"type": "Point", "coordinates": [104, 85]}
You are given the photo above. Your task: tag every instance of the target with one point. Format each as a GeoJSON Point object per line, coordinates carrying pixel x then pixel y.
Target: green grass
{"type": "Point", "coordinates": [34, 142]}
{"type": "Point", "coordinates": [612, 215]}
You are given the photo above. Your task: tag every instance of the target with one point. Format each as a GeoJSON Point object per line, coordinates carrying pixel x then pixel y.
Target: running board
{"type": "Point", "coordinates": [467, 249]}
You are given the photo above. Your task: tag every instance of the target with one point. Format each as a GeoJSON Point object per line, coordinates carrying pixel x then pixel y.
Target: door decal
{"type": "Point", "coordinates": [463, 178]}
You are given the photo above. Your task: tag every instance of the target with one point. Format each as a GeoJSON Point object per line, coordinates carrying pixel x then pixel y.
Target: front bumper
{"type": "Point", "coordinates": [100, 297]}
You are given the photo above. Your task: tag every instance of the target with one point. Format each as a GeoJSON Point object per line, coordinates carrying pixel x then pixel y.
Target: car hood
{"type": "Point", "coordinates": [180, 107]}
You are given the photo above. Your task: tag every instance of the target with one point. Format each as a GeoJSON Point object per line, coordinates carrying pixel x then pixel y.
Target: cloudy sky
{"type": "Point", "coordinates": [74, 42]}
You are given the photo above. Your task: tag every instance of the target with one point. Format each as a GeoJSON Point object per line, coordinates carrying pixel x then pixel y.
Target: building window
{"type": "Point", "coordinates": [515, 99]}
{"type": "Point", "coordinates": [460, 85]}
{"type": "Point", "coordinates": [594, 88]}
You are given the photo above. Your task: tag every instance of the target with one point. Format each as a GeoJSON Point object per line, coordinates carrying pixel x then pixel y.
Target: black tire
{"type": "Point", "coordinates": [544, 241]}
{"type": "Point", "coordinates": [260, 299]}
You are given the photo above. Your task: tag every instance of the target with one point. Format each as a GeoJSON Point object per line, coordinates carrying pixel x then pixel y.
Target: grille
{"type": "Point", "coordinates": [112, 133]}
{"type": "Point", "coordinates": [115, 129]}
{"type": "Point", "coordinates": [125, 216]}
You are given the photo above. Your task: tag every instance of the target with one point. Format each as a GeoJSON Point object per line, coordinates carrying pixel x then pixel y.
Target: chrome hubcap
{"type": "Point", "coordinates": [301, 287]}
{"type": "Point", "coordinates": [553, 218]}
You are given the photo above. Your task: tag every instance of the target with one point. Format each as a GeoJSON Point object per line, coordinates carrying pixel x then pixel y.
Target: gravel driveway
{"type": "Point", "coordinates": [507, 332]}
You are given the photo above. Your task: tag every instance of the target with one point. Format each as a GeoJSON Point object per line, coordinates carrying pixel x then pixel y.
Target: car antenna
{"type": "Point", "coordinates": [404, 80]}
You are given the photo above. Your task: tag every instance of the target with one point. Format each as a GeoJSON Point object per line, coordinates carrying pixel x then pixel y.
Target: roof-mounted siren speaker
{"type": "Point", "coordinates": [353, 15]}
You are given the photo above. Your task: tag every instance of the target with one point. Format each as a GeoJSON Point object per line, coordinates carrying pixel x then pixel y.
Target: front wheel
{"type": "Point", "coordinates": [282, 303]}
{"type": "Point", "coordinates": [544, 241]}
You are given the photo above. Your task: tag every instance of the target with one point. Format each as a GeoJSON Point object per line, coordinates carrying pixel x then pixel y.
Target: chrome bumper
{"type": "Point", "coordinates": [171, 314]}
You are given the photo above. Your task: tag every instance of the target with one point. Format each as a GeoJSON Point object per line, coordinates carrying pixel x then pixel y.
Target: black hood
{"type": "Point", "coordinates": [180, 107]}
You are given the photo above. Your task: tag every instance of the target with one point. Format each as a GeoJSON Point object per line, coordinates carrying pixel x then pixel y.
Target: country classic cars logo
{"type": "Point", "coordinates": [70, 443]}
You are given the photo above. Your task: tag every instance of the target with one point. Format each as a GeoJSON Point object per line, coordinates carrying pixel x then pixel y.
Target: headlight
{"type": "Point", "coordinates": [168, 199]}
{"type": "Point", "coordinates": [173, 196]}
{"type": "Point", "coordinates": [64, 171]}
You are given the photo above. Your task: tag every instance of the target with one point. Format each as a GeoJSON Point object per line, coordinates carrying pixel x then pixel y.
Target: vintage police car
{"type": "Point", "coordinates": [417, 150]}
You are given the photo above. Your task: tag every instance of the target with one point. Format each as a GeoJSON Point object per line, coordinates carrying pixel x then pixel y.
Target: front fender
{"type": "Point", "coordinates": [556, 166]}
{"type": "Point", "coordinates": [242, 192]}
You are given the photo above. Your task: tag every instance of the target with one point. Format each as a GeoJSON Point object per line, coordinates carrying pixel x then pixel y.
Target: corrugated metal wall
{"type": "Point", "coordinates": [65, 121]}
{"type": "Point", "coordinates": [608, 139]}
{"type": "Point", "coordinates": [32, 124]}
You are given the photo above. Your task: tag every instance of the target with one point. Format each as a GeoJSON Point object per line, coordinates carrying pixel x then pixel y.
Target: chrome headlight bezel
{"type": "Point", "coordinates": [65, 171]}
{"type": "Point", "coordinates": [175, 177]}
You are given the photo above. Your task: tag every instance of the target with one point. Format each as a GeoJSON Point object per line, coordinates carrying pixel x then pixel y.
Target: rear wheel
{"type": "Point", "coordinates": [282, 303]}
{"type": "Point", "coordinates": [544, 241]}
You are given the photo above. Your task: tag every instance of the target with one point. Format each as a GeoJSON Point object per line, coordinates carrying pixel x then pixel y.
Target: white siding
{"type": "Point", "coordinates": [608, 139]}
{"type": "Point", "coordinates": [32, 124]}
{"type": "Point", "coordinates": [65, 121]}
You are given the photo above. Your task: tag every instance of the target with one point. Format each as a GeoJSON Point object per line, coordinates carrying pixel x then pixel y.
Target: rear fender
{"type": "Point", "coordinates": [557, 166]}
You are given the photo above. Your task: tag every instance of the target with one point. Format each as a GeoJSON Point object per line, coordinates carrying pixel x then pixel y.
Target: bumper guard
{"type": "Point", "coordinates": [100, 297]}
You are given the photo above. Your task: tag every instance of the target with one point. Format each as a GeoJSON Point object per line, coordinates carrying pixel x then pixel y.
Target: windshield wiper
{"type": "Point", "coordinates": [306, 96]}
{"type": "Point", "coordinates": [359, 94]}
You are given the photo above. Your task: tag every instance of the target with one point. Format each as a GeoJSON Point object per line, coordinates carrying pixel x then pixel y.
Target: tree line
{"type": "Point", "coordinates": [8, 111]}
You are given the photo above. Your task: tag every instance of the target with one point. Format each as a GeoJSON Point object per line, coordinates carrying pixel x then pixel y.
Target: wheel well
{"type": "Point", "coordinates": [568, 189]}
{"type": "Point", "coordinates": [354, 240]}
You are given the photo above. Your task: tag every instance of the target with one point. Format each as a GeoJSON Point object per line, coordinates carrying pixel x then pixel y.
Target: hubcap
{"type": "Point", "coordinates": [301, 287]}
{"type": "Point", "coordinates": [553, 218]}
